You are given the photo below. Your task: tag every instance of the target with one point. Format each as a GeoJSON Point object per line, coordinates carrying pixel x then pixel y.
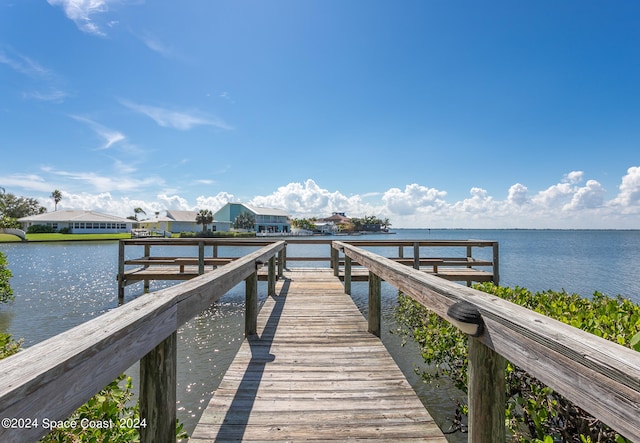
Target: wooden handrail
{"type": "Point", "coordinates": [53, 378]}
{"type": "Point", "coordinates": [598, 375]}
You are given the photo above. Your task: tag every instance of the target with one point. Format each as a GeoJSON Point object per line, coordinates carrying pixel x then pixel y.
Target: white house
{"type": "Point", "coordinates": [79, 222]}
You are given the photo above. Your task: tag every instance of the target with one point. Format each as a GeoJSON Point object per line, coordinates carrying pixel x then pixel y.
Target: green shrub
{"type": "Point", "coordinates": [8, 346]}
{"type": "Point", "coordinates": [6, 293]}
{"type": "Point", "coordinates": [534, 411]}
{"type": "Point", "coordinates": [40, 229]}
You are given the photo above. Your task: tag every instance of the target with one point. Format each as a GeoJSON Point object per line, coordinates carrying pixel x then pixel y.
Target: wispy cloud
{"type": "Point", "coordinates": [107, 183]}
{"type": "Point", "coordinates": [156, 45]}
{"type": "Point", "coordinates": [31, 182]}
{"type": "Point", "coordinates": [82, 13]}
{"type": "Point", "coordinates": [24, 65]}
{"type": "Point", "coordinates": [182, 120]}
{"type": "Point", "coordinates": [110, 136]}
{"type": "Point", "coordinates": [54, 95]}
{"type": "Point", "coordinates": [41, 76]}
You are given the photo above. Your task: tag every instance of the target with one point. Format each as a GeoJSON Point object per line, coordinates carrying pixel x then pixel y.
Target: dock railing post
{"type": "Point", "coordinates": [158, 393]}
{"type": "Point", "coordinates": [121, 283]}
{"type": "Point", "coordinates": [271, 278]}
{"type": "Point", "coordinates": [281, 262]}
{"type": "Point", "coordinates": [375, 304]}
{"type": "Point", "coordinates": [486, 394]}
{"type": "Point", "coordinates": [416, 255]}
{"type": "Point", "coordinates": [200, 257]}
{"type": "Point", "coordinates": [335, 261]}
{"type": "Point", "coordinates": [347, 275]}
{"type": "Point", "coordinates": [251, 305]}
{"type": "Point", "coordinates": [284, 257]}
{"type": "Point", "coordinates": [496, 264]}
{"type": "Point", "coordinates": [147, 254]}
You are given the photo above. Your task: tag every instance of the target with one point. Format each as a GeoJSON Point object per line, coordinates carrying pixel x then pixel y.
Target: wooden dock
{"type": "Point", "coordinates": [314, 372]}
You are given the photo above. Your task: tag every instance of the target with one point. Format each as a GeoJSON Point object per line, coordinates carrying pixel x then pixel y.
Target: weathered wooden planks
{"type": "Point", "coordinates": [314, 372]}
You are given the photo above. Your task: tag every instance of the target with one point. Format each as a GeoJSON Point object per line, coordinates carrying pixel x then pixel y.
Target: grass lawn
{"type": "Point", "coordinates": [64, 237]}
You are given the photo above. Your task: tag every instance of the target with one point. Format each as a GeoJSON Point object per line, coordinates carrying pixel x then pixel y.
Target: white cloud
{"type": "Point", "coordinates": [24, 65]}
{"type": "Point", "coordinates": [106, 183]}
{"type": "Point", "coordinates": [307, 199]}
{"type": "Point", "coordinates": [567, 204]}
{"type": "Point", "coordinates": [83, 12]}
{"type": "Point", "coordinates": [629, 195]}
{"type": "Point", "coordinates": [44, 79]}
{"type": "Point", "coordinates": [30, 182]}
{"type": "Point", "coordinates": [415, 198]}
{"type": "Point", "coordinates": [176, 119]}
{"type": "Point", "coordinates": [110, 136]}
{"type": "Point", "coordinates": [587, 197]}
{"type": "Point", "coordinates": [518, 195]}
{"type": "Point", "coordinates": [215, 202]}
{"type": "Point", "coordinates": [157, 46]}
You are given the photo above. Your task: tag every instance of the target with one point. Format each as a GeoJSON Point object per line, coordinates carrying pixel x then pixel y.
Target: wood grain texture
{"type": "Point", "coordinates": [314, 372]}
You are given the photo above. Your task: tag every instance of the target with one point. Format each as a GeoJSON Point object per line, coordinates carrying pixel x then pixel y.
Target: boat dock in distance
{"type": "Point", "coordinates": [208, 254]}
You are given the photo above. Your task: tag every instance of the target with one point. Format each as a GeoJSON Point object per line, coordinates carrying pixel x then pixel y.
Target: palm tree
{"type": "Point", "coordinates": [245, 220]}
{"type": "Point", "coordinates": [56, 196]}
{"type": "Point", "coordinates": [137, 211]}
{"type": "Point", "coordinates": [204, 217]}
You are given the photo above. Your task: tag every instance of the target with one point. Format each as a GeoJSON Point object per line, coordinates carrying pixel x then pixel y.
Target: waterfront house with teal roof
{"type": "Point", "coordinates": [268, 220]}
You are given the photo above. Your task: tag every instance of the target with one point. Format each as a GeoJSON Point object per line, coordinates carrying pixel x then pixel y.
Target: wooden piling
{"type": "Point", "coordinates": [158, 371]}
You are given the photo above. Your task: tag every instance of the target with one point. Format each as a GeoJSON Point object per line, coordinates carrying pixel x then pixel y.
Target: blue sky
{"type": "Point", "coordinates": [433, 113]}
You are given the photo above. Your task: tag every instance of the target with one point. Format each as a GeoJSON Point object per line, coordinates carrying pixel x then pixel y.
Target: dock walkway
{"type": "Point", "coordinates": [313, 372]}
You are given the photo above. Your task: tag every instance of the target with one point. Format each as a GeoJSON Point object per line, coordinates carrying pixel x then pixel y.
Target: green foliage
{"type": "Point", "coordinates": [204, 217]}
{"type": "Point", "coordinates": [56, 195]}
{"type": "Point", "coordinates": [108, 416]}
{"type": "Point", "coordinates": [40, 229]}
{"type": "Point", "coordinates": [6, 293]}
{"type": "Point", "coordinates": [534, 412]}
{"type": "Point", "coordinates": [13, 206]}
{"type": "Point", "coordinates": [8, 346]}
{"type": "Point", "coordinates": [303, 223]}
{"type": "Point", "coordinates": [245, 220]}
{"type": "Point", "coordinates": [8, 222]}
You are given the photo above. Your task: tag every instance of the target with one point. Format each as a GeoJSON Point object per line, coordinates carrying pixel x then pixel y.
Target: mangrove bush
{"type": "Point", "coordinates": [534, 412]}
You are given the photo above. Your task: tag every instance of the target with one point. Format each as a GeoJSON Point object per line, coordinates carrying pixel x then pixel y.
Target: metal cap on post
{"type": "Point", "coordinates": [466, 317]}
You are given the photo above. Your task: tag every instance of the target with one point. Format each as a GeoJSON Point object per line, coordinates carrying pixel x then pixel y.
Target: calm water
{"type": "Point", "coordinates": [60, 285]}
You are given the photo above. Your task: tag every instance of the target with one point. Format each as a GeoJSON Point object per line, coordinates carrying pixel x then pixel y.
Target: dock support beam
{"type": "Point", "coordinates": [375, 304]}
{"type": "Point", "coordinates": [486, 394]}
{"type": "Point", "coordinates": [158, 371]}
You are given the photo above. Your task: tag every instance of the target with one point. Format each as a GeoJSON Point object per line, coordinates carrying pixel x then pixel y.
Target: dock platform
{"type": "Point", "coordinates": [314, 372]}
